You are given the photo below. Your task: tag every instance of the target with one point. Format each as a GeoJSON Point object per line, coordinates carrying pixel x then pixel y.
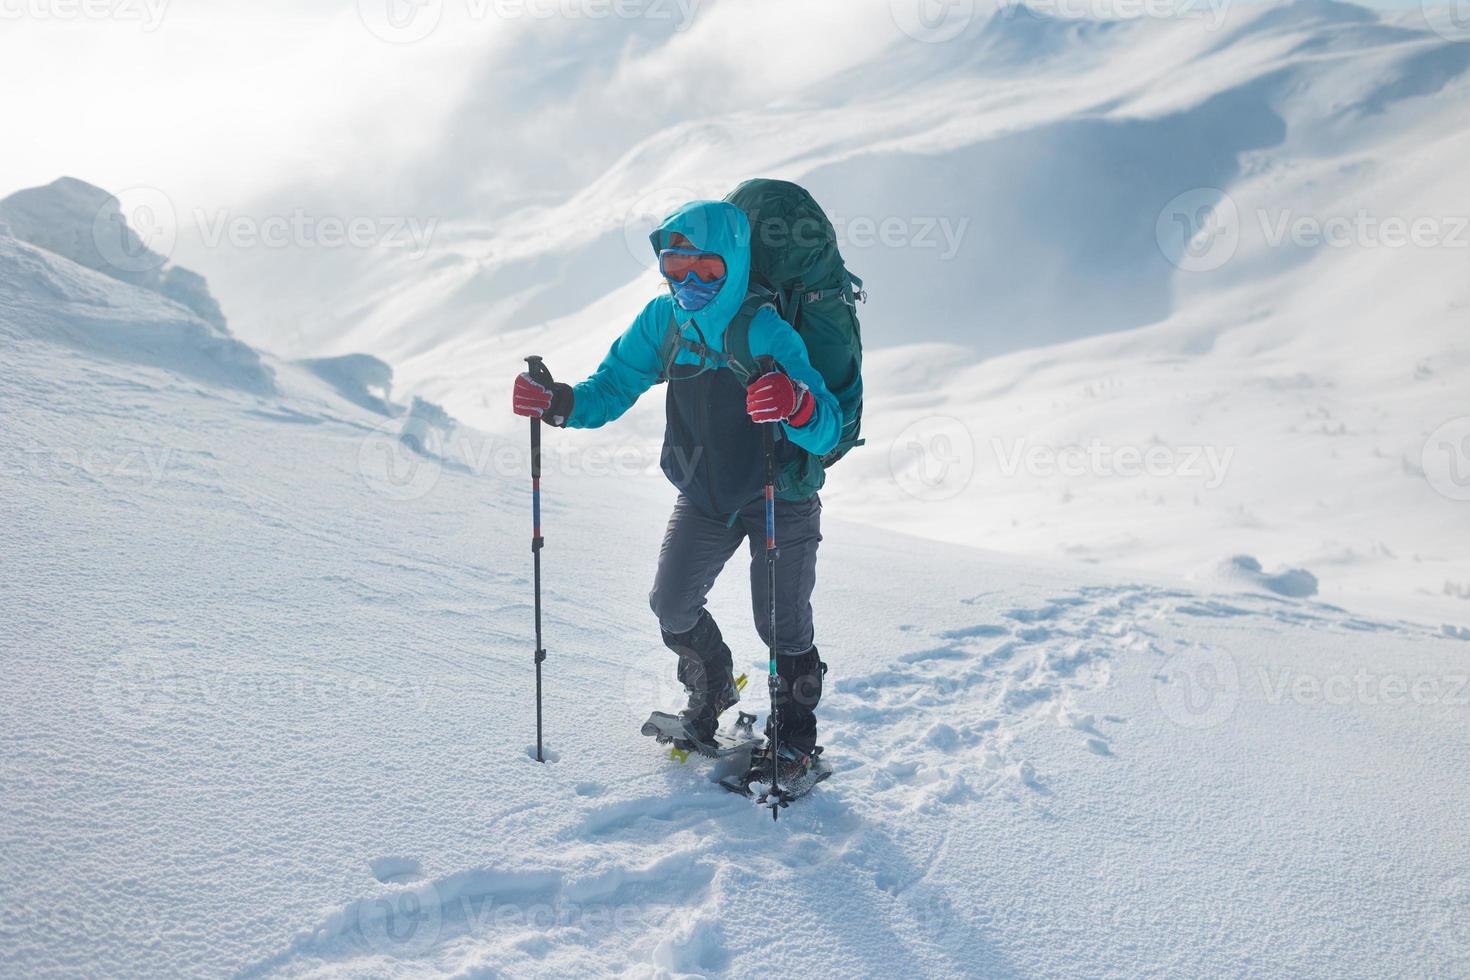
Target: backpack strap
{"type": "Point", "coordinates": [668, 348]}
{"type": "Point", "coordinates": [737, 356]}
{"type": "Point", "coordinates": [852, 293]}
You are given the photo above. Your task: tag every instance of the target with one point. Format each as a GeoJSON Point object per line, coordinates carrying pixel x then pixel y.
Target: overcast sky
{"type": "Point", "coordinates": [219, 100]}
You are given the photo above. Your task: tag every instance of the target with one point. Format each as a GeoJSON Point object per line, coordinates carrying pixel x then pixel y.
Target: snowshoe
{"type": "Point", "coordinates": [796, 775]}
{"type": "Point", "coordinates": [673, 730]}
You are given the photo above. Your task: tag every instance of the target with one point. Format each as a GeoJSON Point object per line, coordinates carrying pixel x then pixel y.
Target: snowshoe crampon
{"type": "Point", "coordinates": [793, 780]}
{"type": "Point", "coordinates": [669, 730]}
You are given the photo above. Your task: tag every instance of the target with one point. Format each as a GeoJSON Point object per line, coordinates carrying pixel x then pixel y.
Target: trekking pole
{"type": "Point", "coordinates": [537, 369]}
{"type": "Point", "coordinates": [774, 798]}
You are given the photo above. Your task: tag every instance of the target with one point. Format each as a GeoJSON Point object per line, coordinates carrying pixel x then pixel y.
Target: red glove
{"type": "Point", "coordinates": [542, 398]}
{"type": "Point", "coordinates": [774, 397]}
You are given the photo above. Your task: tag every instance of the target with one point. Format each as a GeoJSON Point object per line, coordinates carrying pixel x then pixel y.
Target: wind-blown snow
{"type": "Point", "coordinates": [270, 691]}
{"type": "Point", "coordinates": [1034, 296]}
{"type": "Point", "coordinates": [65, 303]}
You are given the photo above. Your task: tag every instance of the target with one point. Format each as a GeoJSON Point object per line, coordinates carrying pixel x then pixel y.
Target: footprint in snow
{"type": "Point", "coordinates": [392, 869]}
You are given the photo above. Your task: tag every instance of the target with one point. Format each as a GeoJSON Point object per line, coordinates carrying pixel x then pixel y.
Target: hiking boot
{"type": "Point", "coordinates": [707, 672]}
{"type": "Point", "coordinates": [799, 689]}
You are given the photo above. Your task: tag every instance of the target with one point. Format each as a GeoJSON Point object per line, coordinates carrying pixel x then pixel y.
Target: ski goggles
{"type": "Point", "coordinates": [678, 264]}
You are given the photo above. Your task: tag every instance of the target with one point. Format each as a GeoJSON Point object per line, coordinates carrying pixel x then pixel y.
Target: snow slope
{"type": "Point", "coordinates": [1033, 291]}
{"type": "Point", "coordinates": [269, 701]}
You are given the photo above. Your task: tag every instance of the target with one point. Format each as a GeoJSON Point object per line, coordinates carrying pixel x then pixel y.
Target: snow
{"type": "Point", "coordinates": [1244, 571]}
{"type": "Point", "coordinates": [87, 225]}
{"type": "Point", "coordinates": [1144, 605]}
{"type": "Point", "coordinates": [270, 709]}
{"type": "Point", "coordinates": [1047, 305]}
{"type": "Point", "coordinates": [61, 302]}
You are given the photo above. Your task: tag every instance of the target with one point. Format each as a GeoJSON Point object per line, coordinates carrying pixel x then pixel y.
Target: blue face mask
{"type": "Point", "coordinates": [694, 295]}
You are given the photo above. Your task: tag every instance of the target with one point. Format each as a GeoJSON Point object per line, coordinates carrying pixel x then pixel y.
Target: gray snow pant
{"type": "Point", "coordinates": [696, 548]}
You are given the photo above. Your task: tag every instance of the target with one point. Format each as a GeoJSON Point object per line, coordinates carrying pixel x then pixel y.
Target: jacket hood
{"type": "Point", "coordinates": [713, 226]}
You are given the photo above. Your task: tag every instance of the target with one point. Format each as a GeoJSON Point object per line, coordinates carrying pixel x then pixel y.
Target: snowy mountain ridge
{"type": "Point", "coordinates": [1158, 241]}
{"type": "Point", "coordinates": [1144, 239]}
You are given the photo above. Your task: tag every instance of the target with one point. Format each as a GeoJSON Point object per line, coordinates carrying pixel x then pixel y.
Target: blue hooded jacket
{"type": "Point", "coordinates": [712, 450]}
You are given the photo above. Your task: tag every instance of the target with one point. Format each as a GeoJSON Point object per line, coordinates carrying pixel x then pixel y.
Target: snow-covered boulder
{"type": "Point", "coordinates": [360, 378]}
{"type": "Point", "coordinates": [1245, 572]}
{"type": "Point", "coordinates": [86, 224]}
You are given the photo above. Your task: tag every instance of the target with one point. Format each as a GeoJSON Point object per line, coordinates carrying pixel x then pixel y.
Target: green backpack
{"type": "Point", "coordinates": [796, 267]}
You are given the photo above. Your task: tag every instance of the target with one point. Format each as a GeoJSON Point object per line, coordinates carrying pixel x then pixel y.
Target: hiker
{"type": "Point", "coordinates": [718, 400]}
